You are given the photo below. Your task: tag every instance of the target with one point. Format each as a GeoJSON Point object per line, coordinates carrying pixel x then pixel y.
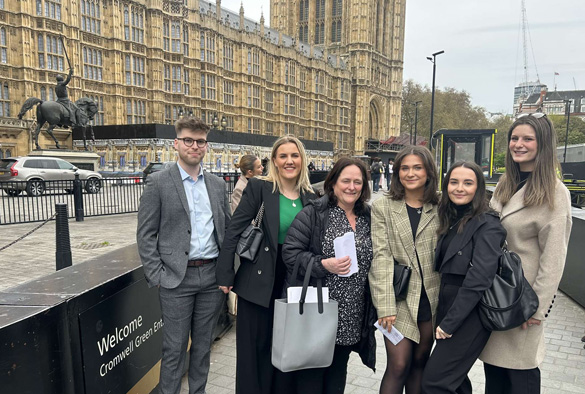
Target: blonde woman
{"type": "Point", "coordinates": [284, 192]}
{"type": "Point", "coordinates": [535, 210]}
{"type": "Point", "coordinates": [404, 229]}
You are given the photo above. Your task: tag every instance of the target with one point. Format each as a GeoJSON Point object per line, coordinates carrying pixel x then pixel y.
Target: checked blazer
{"type": "Point", "coordinates": [392, 239]}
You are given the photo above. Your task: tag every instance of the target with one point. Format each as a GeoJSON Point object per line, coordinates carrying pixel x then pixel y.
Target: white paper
{"type": "Point", "coordinates": [393, 336]}
{"type": "Point", "coordinates": [293, 294]}
{"type": "Point", "coordinates": [345, 246]}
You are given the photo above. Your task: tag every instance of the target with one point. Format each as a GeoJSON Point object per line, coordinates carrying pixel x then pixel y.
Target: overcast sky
{"type": "Point", "coordinates": [482, 44]}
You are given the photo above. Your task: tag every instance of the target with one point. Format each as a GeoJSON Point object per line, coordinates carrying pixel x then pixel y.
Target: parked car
{"type": "Point", "coordinates": [155, 166]}
{"type": "Point", "coordinates": [34, 175]}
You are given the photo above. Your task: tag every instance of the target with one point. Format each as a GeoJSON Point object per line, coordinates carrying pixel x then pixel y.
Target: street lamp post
{"type": "Point", "coordinates": [568, 110]}
{"type": "Point", "coordinates": [434, 61]}
{"type": "Point", "coordinates": [416, 118]}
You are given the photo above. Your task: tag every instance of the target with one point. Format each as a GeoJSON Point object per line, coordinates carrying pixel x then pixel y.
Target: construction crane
{"type": "Point", "coordinates": [527, 87]}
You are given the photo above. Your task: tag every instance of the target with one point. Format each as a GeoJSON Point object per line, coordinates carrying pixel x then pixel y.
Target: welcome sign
{"type": "Point", "coordinates": [121, 339]}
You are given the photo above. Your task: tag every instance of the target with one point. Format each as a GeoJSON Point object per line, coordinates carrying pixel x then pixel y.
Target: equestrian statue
{"type": "Point", "coordinates": [63, 112]}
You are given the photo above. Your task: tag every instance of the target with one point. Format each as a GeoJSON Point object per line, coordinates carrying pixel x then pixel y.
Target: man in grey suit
{"type": "Point", "coordinates": [182, 218]}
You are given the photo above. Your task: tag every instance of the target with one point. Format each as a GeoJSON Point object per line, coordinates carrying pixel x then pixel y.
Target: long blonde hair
{"type": "Point", "coordinates": [541, 184]}
{"type": "Point", "coordinates": [303, 182]}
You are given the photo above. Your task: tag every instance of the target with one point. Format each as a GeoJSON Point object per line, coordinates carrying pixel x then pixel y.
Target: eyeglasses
{"type": "Point", "coordinates": [189, 142]}
{"type": "Point", "coordinates": [535, 115]}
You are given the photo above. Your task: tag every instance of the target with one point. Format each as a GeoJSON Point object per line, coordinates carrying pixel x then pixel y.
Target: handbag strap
{"type": "Point", "coordinates": [259, 216]}
{"type": "Point", "coordinates": [306, 286]}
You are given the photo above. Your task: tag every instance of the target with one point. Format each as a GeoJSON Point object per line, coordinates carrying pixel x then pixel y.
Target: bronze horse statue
{"type": "Point", "coordinates": [56, 114]}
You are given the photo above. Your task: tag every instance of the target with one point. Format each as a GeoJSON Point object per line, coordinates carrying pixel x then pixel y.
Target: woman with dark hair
{"type": "Point", "coordinates": [404, 231]}
{"type": "Point", "coordinates": [342, 209]}
{"type": "Point", "coordinates": [535, 209]}
{"type": "Point", "coordinates": [467, 257]}
{"type": "Point", "coordinates": [250, 166]}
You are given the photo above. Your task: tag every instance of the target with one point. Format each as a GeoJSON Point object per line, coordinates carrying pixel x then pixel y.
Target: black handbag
{"type": "Point", "coordinates": [251, 238]}
{"type": "Point", "coordinates": [510, 301]}
{"type": "Point", "coordinates": [400, 280]}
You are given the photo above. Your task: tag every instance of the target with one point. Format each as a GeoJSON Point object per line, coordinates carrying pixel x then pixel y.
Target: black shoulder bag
{"type": "Point", "coordinates": [510, 301]}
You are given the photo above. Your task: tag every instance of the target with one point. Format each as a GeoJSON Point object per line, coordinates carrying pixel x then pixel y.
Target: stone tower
{"type": "Point", "coordinates": [369, 34]}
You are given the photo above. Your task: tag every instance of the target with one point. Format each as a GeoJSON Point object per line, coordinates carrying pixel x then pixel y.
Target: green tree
{"type": "Point", "coordinates": [576, 129]}
{"type": "Point", "coordinates": [453, 110]}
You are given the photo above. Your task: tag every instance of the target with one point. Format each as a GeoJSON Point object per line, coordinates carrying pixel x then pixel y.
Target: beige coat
{"type": "Point", "coordinates": [392, 239]}
{"type": "Point", "coordinates": [540, 236]}
{"type": "Point", "coordinates": [237, 192]}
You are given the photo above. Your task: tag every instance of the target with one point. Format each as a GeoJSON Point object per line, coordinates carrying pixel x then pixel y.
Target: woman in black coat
{"type": "Point", "coordinates": [258, 283]}
{"type": "Point", "coordinates": [343, 209]}
{"type": "Point", "coordinates": [467, 257]}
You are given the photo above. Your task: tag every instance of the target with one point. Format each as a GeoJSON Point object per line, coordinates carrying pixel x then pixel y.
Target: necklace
{"type": "Point", "coordinates": [418, 210]}
{"type": "Point", "coordinates": [454, 224]}
{"type": "Point", "coordinates": [290, 199]}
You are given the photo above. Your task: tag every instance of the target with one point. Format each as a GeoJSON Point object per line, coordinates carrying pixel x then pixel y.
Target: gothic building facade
{"type": "Point", "coordinates": [323, 71]}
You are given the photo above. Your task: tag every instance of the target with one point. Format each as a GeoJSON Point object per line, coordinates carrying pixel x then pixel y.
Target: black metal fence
{"type": "Point", "coordinates": [23, 202]}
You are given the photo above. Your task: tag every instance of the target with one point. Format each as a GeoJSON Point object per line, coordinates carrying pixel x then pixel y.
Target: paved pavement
{"type": "Point", "coordinates": [563, 370]}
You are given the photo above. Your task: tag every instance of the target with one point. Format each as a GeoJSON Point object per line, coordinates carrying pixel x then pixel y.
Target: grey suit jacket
{"type": "Point", "coordinates": [164, 228]}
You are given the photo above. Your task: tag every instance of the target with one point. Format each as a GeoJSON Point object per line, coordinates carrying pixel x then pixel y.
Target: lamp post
{"type": "Point", "coordinates": [568, 111]}
{"type": "Point", "coordinates": [223, 122]}
{"type": "Point", "coordinates": [215, 122]}
{"type": "Point", "coordinates": [416, 118]}
{"type": "Point", "coordinates": [181, 112]}
{"type": "Point", "coordinates": [434, 61]}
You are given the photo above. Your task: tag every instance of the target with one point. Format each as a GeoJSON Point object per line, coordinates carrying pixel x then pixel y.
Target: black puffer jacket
{"type": "Point", "coordinates": [303, 243]}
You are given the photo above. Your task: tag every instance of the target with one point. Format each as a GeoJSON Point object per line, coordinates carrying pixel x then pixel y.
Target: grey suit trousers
{"type": "Point", "coordinates": [192, 307]}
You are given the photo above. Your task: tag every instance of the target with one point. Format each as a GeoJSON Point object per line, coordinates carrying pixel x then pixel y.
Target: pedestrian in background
{"type": "Point", "coordinates": [467, 257]}
{"type": "Point", "coordinates": [389, 171]}
{"type": "Point", "coordinates": [404, 230]}
{"type": "Point", "coordinates": [250, 166]}
{"type": "Point", "coordinates": [535, 210]}
{"type": "Point", "coordinates": [284, 192]}
{"type": "Point", "coordinates": [376, 171]}
{"type": "Point", "coordinates": [182, 218]}
{"type": "Point", "coordinates": [342, 209]}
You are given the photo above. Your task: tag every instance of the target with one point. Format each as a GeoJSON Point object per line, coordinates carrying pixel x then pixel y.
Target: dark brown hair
{"type": "Point", "coordinates": [541, 184]}
{"type": "Point", "coordinates": [397, 189]}
{"type": "Point", "coordinates": [479, 203]}
{"type": "Point", "coordinates": [190, 123]}
{"type": "Point", "coordinates": [247, 164]}
{"type": "Point", "coordinates": [333, 176]}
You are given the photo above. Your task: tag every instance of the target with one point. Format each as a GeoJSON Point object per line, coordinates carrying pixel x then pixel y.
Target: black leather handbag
{"type": "Point", "coordinates": [400, 280]}
{"type": "Point", "coordinates": [251, 238]}
{"type": "Point", "coordinates": [510, 301]}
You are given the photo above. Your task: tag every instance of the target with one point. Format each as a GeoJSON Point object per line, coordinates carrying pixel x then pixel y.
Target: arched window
{"type": "Point", "coordinates": [43, 93]}
{"type": "Point", "coordinates": [4, 101]}
{"type": "Point", "coordinates": [3, 46]}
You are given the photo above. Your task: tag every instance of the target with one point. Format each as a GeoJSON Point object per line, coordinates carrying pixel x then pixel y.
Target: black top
{"type": "Point", "coordinates": [414, 216]}
{"type": "Point", "coordinates": [453, 226]}
{"type": "Point", "coordinates": [523, 178]}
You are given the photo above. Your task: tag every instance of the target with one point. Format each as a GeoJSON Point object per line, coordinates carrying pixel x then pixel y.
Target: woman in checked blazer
{"type": "Point", "coordinates": [404, 229]}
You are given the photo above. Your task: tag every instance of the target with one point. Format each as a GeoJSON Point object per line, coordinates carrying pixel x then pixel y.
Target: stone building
{"type": "Point", "coordinates": [146, 61]}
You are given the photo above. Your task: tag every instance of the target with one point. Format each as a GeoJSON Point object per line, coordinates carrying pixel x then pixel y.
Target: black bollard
{"type": "Point", "coordinates": [78, 199]}
{"type": "Point", "coordinates": [63, 249]}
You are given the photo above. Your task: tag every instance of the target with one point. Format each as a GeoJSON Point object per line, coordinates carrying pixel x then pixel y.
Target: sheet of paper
{"type": "Point", "coordinates": [345, 246]}
{"type": "Point", "coordinates": [393, 336]}
{"type": "Point", "coordinates": [293, 294]}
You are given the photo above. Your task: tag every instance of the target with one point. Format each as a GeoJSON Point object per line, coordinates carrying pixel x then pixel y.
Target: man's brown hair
{"type": "Point", "coordinates": [190, 123]}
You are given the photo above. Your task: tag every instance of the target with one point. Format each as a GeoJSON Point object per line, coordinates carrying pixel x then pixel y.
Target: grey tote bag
{"type": "Point", "coordinates": [304, 334]}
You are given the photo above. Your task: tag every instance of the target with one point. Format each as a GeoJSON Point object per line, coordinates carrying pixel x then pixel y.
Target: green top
{"type": "Point", "coordinates": [288, 212]}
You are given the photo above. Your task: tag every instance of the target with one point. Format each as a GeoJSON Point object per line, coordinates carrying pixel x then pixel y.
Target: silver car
{"type": "Point", "coordinates": [35, 175]}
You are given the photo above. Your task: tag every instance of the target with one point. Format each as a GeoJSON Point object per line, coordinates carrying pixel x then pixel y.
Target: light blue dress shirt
{"type": "Point", "coordinates": [203, 245]}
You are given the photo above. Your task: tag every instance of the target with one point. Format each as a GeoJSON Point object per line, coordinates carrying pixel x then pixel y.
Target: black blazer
{"type": "Point", "coordinates": [255, 279]}
{"type": "Point", "coordinates": [474, 253]}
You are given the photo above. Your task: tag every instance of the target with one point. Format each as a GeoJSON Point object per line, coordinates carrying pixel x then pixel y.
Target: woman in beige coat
{"type": "Point", "coordinates": [404, 230]}
{"type": "Point", "coordinates": [250, 166]}
{"type": "Point", "coordinates": [535, 210]}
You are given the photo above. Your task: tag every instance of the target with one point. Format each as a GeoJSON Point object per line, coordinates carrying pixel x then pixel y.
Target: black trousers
{"type": "Point", "coordinates": [452, 359]}
{"type": "Point", "coordinates": [254, 370]}
{"type": "Point", "coordinates": [330, 380]}
{"type": "Point", "coordinates": [500, 380]}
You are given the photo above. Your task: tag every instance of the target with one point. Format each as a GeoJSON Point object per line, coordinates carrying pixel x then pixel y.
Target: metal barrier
{"type": "Point", "coordinates": [21, 202]}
